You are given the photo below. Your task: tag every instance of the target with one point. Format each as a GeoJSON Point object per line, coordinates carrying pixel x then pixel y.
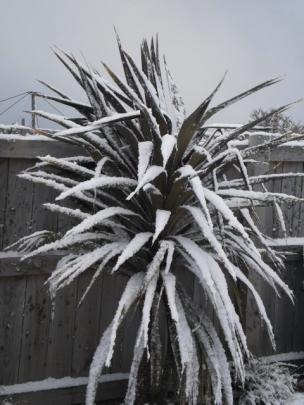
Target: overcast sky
{"type": "Point", "coordinates": [254, 40]}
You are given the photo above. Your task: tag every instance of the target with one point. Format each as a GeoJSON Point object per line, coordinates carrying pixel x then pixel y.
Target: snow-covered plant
{"type": "Point", "coordinates": [267, 383]}
{"type": "Point", "coordinates": [155, 201]}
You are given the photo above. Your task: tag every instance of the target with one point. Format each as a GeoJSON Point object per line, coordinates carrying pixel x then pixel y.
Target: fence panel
{"type": "Point", "coordinates": [285, 317]}
{"type": "Point", "coordinates": [33, 346]}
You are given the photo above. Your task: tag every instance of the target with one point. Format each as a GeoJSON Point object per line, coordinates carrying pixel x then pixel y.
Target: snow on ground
{"type": "Point", "coordinates": [296, 399]}
{"type": "Point", "coordinates": [56, 383]}
{"type": "Point", "coordinates": [285, 357]}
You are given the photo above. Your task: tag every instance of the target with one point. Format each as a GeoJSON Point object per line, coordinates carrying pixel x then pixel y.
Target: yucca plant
{"type": "Point", "coordinates": [155, 200]}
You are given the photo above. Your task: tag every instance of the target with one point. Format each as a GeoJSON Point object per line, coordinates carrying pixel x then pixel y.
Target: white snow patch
{"type": "Point", "coordinates": [145, 150]}
{"type": "Point", "coordinates": [167, 147]}
{"type": "Point", "coordinates": [161, 220]}
{"type": "Point", "coordinates": [56, 383]}
{"type": "Point", "coordinates": [133, 247]}
{"type": "Point", "coordinates": [150, 175]}
{"type": "Point", "coordinates": [284, 357]}
{"type": "Point", "coordinates": [296, 399]}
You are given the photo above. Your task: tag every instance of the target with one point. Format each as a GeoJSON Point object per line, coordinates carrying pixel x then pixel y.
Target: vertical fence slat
{"type": "Point", "coordinates": [19, 203]}
{"type": "Point", "coordinates": [86, 333]}
{"type": "Point", "coordinates": [112, 287]}
{"type": "Point", "coordinates": [4, 163]}
{"type": "Point", "coordinates": [297, 330]}
{"type": "Point", "coordinates": [12, 291]}
{"type": "Point", "coordinates": [35, 331]}
{"type": "Point", "coordinates": [61, 333]}
{"type": "Point", "coordinates": [41, 217]}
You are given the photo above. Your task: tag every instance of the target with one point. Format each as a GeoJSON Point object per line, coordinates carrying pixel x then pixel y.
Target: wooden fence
{"type": "Point", "coordinates": [287, 319]}
{"type": "Point", "coordinates": [33, 346]}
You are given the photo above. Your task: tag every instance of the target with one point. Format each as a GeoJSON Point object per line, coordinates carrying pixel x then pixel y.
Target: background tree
{"type": "Point", "coordinates": [277, 121]}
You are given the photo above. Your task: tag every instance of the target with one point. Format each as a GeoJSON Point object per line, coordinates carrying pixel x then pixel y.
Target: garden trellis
{"type": "Point", "coordinates": [153, 198]}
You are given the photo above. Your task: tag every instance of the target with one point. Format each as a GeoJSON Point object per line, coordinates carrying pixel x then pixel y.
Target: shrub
{"type": "Point", "coordinates": [267, 383]}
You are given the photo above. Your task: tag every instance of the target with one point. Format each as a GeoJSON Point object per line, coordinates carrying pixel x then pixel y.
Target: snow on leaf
{"type": "Point", "coordinates": [130, 294]}
{"type": "Point", "coordinates": [66, 242]}
{"type": "Point", "coordinates": [98, 124]}
{"type": "Point", "coordinates": [150, 188]}
{"type": "Point", "coordinates": [280, 216]}
{"type": "Point", "coordinates": [258, 195]}
{"type": "Point", "coordinates": [58, 186]}
{"type": "Point", "coordinates": [167, 147]}
{"type": "Point", "coordinates": [112, 253]}
{"type": "Point", "coordinates": [98, 218]}
{"type": "Point", "coordinates": [145, 150]}
{"type": "Point", "coordinates": [209, 275]}
{"type": "Point", "coordinates": [72, 212]}
{"type": "Point", "coordinates": [67, 165]}
{"type": "Point", "coordinates": [170, 253]}
{"type": "Point", "coordinates": [98, 182]}
{"type": "Point", "coordinates": [184, 335]}
{"type": "Point", "coordinates": [222, 207]}
{"type": "Point", "coordinates": [133, 247]}
{"type": "Point", "coordinates": [210, 236]}
{"type": "Point", "coordinates": [136, 361]}
{"type": "Point", "coordinates": [98, 364]}
{"type": "Point", "coordinates": [176, 99]}
{"type": "Point", "coordinates": [155, 264]}
{"type": "Point", "coordinates": [161, 220]}
{"type": "Point", "coordinates": [64, 276]}
{"type": "Point", "coordinates": [198, 189]}
{"type": "Point", "coordinates": [150, 175]}
{"type": "Point", "coordinates": [169, 282]}
{"type": "Point", "coordinates": [259, 303]}
{"type": "Point", "coordinates": [100, 166]}
{"type": "Point", "coordinates": [149, 296]}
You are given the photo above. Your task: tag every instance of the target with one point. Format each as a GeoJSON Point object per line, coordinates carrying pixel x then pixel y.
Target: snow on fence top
{"type": "Point", "coordinates": [14, 143]}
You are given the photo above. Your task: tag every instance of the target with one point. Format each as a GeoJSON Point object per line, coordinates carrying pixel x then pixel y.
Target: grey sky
{"type": "Point", "coordinates": [254, 40]}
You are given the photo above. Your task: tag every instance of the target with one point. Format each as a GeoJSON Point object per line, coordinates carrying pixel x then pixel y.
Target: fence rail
{"type": "Point", "coordinates": [33, 346]}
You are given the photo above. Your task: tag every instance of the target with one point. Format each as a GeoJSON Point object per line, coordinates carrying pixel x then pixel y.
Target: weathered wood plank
{"type": "Point", "coordinates": [284, 316]}
{"type": "Point", "coordinates": [289, 152]}
{"type": "Point", "coordinates": [19, 203]}
{"type": "Point", "coordinates": [86, 329]}
{"type": "Point", "coordinates": [11, 327]}
{"type": "Point", "coordinates": [111, 291]}
{"type": "Point", "coordinates": [298, 324]}
{"type": "Point", "coordinates": [4, 168]}
{"type": "Point", "coordinates": [288, 187]}
{"type": "Point", "coordinates": [25, 148]}
{"type": "Point", "coordinates": [43, 219]}
{"type": "Point", "coordinates": [11, 266]}
{"type": "Point", "coordinates": [61, 333]}
{"type": "Point", "coordinates": [297, 208]}
{"type": "Point", "coordinates": [119, 362]}
{"type": "Point", "coordinates": [258, 340]}
{"type": "Point", "coordinates": [36, 322]}
{"type": "Point", "coordinates": [66, 222]}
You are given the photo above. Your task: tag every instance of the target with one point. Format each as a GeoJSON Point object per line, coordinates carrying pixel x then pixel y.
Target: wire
{"type": "Point", "coordinates": [25, 108]}
{"type": "Point", "coordinates": [17, 95]}
{"type": "Point", "coordinates": [52, 105]}
{"type": "Point", "coordinates": [12, 105]}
